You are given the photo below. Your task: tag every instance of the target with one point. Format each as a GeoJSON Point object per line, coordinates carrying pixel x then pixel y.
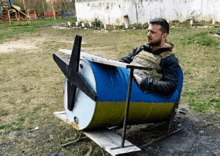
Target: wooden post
{"type": "Point", "coordinates": [28, 16]}
{"type": "Point", "coordinates": [24, 5]}
{"type": "Point", "coordinates": [43, 6]}
{"type": "Point", "coordinates": [63, 1]}
{"type": "Point", "coordinates": [9, 17]}
{"type": "Point", "coordinates": [53, 11]}
{"type": "Point", "coordinates": [16, 16]}
{"type": "Point", "coordinates": [35, 14]}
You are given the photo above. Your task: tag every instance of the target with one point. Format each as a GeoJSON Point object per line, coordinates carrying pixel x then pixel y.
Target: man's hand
{"type": "Point", "coordinates": [138, 79]}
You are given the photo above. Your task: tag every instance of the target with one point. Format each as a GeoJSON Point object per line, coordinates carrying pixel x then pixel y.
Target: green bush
{"type": "Point", "coordinates": [145, 25]}
{"type": "Point", "coordinates": [97, 24]}
{"type": "Point", "coordinates": [138, 26]}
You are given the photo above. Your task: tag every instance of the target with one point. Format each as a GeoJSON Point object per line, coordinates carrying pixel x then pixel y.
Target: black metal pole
{"type": "Point", "coordinates": [127, 107]}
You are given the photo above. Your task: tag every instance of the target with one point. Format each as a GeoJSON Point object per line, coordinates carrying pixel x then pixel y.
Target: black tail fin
{"type": "Point", "coordinates": [75, 79]}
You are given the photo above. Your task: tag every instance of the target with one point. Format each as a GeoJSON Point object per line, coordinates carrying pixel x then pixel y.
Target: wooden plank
{"type": "Point", "coordinates": [96, 59]}
{"type": "Point", "coordinates": [111, 142]}
{"type": "Point", "coordinates": [108, 140]}
{"type": "Point", "coordinates": [105, 61]}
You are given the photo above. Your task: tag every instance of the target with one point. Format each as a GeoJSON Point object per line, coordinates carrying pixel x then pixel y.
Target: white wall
{"type": "Point", "coordinates": [113, 11]}
{"type": "Point", "coordinates": [109, 12]}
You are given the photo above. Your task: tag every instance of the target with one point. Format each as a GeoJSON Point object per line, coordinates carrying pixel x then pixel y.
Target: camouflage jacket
{"type": "Point", "coordinates": [164, 78]}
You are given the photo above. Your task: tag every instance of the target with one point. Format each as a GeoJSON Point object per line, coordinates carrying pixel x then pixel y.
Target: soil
{"type": "Point", "coordinates": [199, 133]}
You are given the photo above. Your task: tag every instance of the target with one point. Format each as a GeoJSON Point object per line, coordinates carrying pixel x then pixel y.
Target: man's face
{"type": "Point", "coordinates": [154, 35]}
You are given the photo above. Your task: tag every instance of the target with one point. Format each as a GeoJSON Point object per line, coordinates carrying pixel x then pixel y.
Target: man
{"type": "Point", "coordinates": [157, 55]}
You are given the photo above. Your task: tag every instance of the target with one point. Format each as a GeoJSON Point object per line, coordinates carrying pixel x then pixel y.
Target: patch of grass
{"type": "Point", "coordinates": [31, 84]}
{"type": "Point", "coordinates": [15, 29]}
{"type": "Point", "coordinates": [6, 127]}
{"type": "Point", "coordinates": [7, 89]}
{"type": "Point", "coordinates": [97, 151]}
{"type": "Point", "coordinates": [4, 112]}
{"type": "Point", "coordinates": [201, 38]}
{"type": "Point", "coordinates": [11, 100]}
{"type": "Point", "coordinates": [128, 47]}
{"type": "Point", "coordinates": [198, 53]}
{"type": "Point", "coordinates": [4, 77]}
{"type": "Point", "coordinates": [13, 125]}
{"type": "Point", "coordinates": [200, 104]}
{"type": "Point", "coordinates": [204, 98]}
{"type": "Point", "coordinates": [20, 120]}
{"type": "Point", "coordinates": [217, 103]}
{"type": "Point", "coordinates": [83, 151]}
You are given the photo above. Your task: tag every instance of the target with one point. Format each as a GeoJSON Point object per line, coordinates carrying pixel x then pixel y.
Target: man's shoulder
{"type": "Point", "coordinates": [171, 59]}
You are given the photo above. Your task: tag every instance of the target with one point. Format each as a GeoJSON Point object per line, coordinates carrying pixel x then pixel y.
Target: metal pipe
{"type": "Point", "coordinates": [127, 107]}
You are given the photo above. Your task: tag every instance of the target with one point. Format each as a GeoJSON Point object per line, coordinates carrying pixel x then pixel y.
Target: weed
{"type": "Point", "coordinates": [217, 101]}
{"type": "Point", "coordinates": [145, 25]}
{"type": "Point", "coordinates": [6, 127]}
{"type": "Point", "coordinates": [97, 151]}
{"type": "Point", "coordinates": [21, 119]}
{"type": "Point", "coordinates": [24, 88]}
{"type": "Point", "coordinates": [11, 100]}
{"type": "Point", "coordinates": [4, 112]}
{"type": "Point", "coordinates": [83, 151]}
{"type": "Point", "coordinates": [138, 26]}
{"type": "Point", "coordinates": [97, 24]}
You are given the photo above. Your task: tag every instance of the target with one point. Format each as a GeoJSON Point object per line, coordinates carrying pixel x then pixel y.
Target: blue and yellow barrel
{"type": "Point", "coordinates": [110, 84]}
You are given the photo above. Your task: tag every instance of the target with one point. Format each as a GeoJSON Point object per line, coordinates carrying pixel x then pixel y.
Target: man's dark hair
{"type": "Point", "coordinates": [163, 23]}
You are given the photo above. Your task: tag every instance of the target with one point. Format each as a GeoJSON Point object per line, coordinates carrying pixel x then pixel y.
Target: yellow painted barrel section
{"type": "Point", "coordinates": [112, 113]}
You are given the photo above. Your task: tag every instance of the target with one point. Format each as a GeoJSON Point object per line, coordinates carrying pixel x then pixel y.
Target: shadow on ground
{"type": "Point", "coordinates": [195, 138]}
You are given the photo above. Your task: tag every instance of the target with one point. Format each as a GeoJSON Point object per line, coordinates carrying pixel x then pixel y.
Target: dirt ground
{"type": "Point", "coordinates": [199, 134]}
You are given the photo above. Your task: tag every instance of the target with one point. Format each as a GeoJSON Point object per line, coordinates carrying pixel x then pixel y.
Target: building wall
{"type": "Point", "coordinates": [108, 11]}
{"type": "Point", "coordinates": [141, 11]}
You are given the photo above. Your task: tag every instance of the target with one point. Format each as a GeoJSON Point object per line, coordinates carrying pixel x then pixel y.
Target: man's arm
{"type": "Point", "coordinates": [127, 59]}
{"type": "Point", "coordinates": [168, 84]}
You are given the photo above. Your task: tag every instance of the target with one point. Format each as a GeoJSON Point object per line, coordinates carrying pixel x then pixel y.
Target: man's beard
{"type": "Point", "coordinates": [155, 44]}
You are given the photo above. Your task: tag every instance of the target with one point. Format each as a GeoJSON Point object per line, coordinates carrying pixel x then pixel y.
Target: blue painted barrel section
{"type": "Point", "coordinates": [112, 84]}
